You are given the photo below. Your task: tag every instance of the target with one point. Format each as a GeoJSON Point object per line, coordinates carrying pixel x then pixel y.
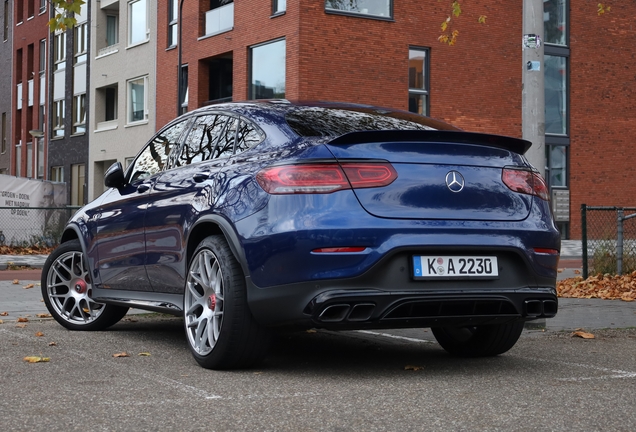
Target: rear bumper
{"type": "Point", "coordinates": [345, 305]}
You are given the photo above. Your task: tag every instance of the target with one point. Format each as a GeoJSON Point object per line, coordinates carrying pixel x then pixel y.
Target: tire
{"type": "Point", "coordinates": [221, 331]}
{"type": "Point", "coordinates": [66, 289]}
{"type": "Point", "coordinates": [479, 341]}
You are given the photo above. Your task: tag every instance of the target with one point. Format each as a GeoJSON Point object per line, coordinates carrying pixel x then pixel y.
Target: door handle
{"type": "Point", "coordinates": [143, 188]}
{"type": "Point", "coordinates": [199, 177]}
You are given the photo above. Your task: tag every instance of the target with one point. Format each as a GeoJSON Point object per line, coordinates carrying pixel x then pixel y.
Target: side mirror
{"type": "Point", "coordinates": [114, 176]}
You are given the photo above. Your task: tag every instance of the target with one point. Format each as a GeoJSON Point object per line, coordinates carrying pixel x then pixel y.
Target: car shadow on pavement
{"type": "Point", "coordinates": [325, 352]}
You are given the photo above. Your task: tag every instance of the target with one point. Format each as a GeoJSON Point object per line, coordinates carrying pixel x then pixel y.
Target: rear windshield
{"type": "Point", "coordinates": [334, 122]}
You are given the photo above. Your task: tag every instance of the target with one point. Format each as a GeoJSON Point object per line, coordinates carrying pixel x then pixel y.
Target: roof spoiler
{"type": "Point", "coordinates": [499, 141]}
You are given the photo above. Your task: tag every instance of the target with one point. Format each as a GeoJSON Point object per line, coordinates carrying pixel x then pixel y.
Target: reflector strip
{"type": "Point", "coordinates": [353, 249]}
{"type": "Point", "coordinates": [546, 251]}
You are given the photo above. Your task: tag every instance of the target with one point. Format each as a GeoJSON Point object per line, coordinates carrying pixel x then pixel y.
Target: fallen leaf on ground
{"type": "Point", "coordinates": [16, 282]}
{"type": "Point", "coordinates": [121, 354]}
{"type": "Point", "coordinates": [4, 314]}
{"type": "Point", "coordinates": [144, 354]}
{"type": "Point", "coordinates": [311, 331]}
{"type": "Point", "coordinates": [583, 335]}
{"type": "Point", "coordinates": [413, 368]}
{"type": "Point", "coordinates": [36, 359]}
{"type": "Point", "coordinates": [560, 270]}
{"type": "Point", "coordinates": [606, 287]}
{"type": "Point", "coordinates": [1, 322]}
{"type": "Point", "coordinates": [39, 334]}
{"type": "Point", "coordinates": [21, 319]}
{"type": "Point", "coordinates": [20, 325]}
{"type": "Point", "coordinates": [577, 271]}
{"type": "Point", "coordinates": [43, 315]}
{"type": "Point", "coordinates": [28, 286]}
{"type": "Point", "coordinates": [52, 343]}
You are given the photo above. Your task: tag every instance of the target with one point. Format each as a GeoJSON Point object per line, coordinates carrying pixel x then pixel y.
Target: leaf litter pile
{"type": "Point", "coordinates": [602, 286]}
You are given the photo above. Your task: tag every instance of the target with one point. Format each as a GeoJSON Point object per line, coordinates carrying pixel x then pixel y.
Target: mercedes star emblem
{"type": "Point", "coordinates": [454, 181]}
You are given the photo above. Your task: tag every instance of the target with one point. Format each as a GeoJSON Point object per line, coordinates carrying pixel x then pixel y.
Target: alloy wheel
{"type": "Point", "coordinates": [204, 302]}
{"type": "Point", "coordinates": [68, 288]}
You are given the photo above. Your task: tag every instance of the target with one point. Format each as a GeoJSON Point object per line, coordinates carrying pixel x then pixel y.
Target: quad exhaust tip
{"type": "Point", "coordinates": [541, 308]}
{"type": "Point", "coordinates": [341, 312]}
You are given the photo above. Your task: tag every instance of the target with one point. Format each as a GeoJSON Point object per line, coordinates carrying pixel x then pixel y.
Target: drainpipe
{"type": "Point", "coordinates": [179, 72]}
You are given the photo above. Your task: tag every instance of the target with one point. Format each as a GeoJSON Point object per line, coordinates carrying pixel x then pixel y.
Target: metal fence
{"type": "Point", "coordinates": [608, 240]}
{"type": "Point", "coordinates": [30, 226]}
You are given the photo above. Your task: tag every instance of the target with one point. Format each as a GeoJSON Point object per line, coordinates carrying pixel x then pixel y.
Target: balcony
{"type": "Point", "coordinates": [219, 20]}
{"type": "Point", "coordinates": [108, 50]}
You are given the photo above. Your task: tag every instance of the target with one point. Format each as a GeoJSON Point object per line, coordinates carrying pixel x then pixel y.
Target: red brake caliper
{"type": "Point", "coordinates": [212, 302]}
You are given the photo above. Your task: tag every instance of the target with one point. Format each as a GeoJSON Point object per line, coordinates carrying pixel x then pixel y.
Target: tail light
{"type": "Point", "coordinates": [525, 182]}
{"type": "Point", "coordinates": [324, 178]}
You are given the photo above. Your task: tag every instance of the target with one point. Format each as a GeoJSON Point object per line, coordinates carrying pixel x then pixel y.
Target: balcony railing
{"type": "Point", "coordinates": [108, 50]}
{"type": "Point", "coordinates": [219, 20]}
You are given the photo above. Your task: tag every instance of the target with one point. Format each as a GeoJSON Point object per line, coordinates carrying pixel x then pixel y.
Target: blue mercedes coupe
{"type": "Point", "coordinates": [247, 218]}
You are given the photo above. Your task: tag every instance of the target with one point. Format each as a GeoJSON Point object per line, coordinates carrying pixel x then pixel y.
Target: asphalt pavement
{"type": "Point", "coordinates": [385, 380]}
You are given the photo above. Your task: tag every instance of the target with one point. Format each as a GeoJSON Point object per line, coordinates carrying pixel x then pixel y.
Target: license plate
{"type": "Point", "coordinates": [432, 267]}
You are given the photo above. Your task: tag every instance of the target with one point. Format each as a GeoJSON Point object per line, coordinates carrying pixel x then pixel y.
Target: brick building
{"type": "Point", "coordinates": [386, 52]}
{"type": "Point", "coordinates": [6, 85]}
{"type": "Point", "coordinates": [27, 142]}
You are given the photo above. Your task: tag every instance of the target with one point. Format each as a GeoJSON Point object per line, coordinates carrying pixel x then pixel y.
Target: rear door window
{"type": "Point", "coordinates": [202, 139]}
{"type": "Point", "coordinates": [247, 136]}
{"type": "Point", "coordinates": [225, 146]}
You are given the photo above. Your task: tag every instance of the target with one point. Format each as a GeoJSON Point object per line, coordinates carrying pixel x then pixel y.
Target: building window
{"type": "Point", "coordinates": [18, 160]}
{"type": "Point", "coordinates": [267, 70]}
{"type": "Point", "coordinates": [30, 12]}
{"type": "Point", "coordinates": [19, 9]}
{"type": "Point", "coordinates": [42, 120]}
{"type": "Point", "coordinates": [557, 76]}
{"type": "Point", "coordinates": [59, 50]}
{"type": "Point", "coordinates": [555, 21]}
{"type": "Point", "coordinates": [78, 183]}
{"type": "Point", "coordinates": [42, 6]}
{"type": "Point", "coordinates": [4, 133]}
{"type": "Point", "coordinates": [279, 6]}
{"type": "Point", "coordinates": [138, 22]}
{"type": "Point", "coordinates": [110, 104]}
{"type": "Point", "coordinates": [81, 42]}
{"type": "Point", "coordinates": [29, 160]}
{"type": "Point", "coordinates": [137, 100]}
{"type": "Point", "coordinates": [173, 15]}
{"type": "Point", "coordinates": [57, 174]}
{"type": "Point", "coordinates": [183, 103]}
{"type": "Point", "coordinates": [112, 30]}
{"type": "Point", "coordinates": [58, 118]}
{"type": "Point", "coordinates": [6, 20]}
{"type": "Point", "coordinates": [79, 114]}
{"type": "Point", "coordinates": [42, 58]}
{"type": "Point", "coordinates": [40, 158]}
{"type": "Point", "coordinates": [418, 81]}
{"type": "Point", "coordinates": [374, 8]}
